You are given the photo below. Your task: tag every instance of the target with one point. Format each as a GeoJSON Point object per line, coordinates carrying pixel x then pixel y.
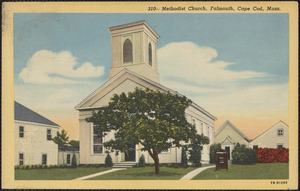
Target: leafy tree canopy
{"type": "Point", "coordinates": [61, 139]}
{"type": "Point", "coordinates": [154, 119]}
{"type": "Point", "coordinates": [74, 143]}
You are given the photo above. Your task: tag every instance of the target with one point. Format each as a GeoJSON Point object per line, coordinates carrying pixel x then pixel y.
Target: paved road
{"type": "Point", "coordinates": [194, 173]}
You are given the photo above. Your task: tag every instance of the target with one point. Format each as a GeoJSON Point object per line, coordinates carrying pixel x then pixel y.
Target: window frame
{"type": "Point", "coordinates": [23, 157]}
{"type": "Point", "coordinates": [208, 133]}
{"type": "Point", "coordinates": [127, 51]}
{"type": "Point", "coordinates": [150, 54]}
{"type": "Point", "coordinates": [46, 159]}
{"type": "Point", "coordinates": [279, 144]}
{"type": "Point", "coordinates": [68, 158]}
{"type": "Point", "coordinates": [21, 132]}
{"type": "Point", "coordinates": [280, 132]}
{"type": "Point", "coordinates": [49, 135]}
{"type": "Point", "coordinates": [97, 144]}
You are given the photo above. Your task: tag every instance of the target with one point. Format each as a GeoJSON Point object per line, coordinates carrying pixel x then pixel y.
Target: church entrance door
{"type": "Point", "coordinates": [130, 155]}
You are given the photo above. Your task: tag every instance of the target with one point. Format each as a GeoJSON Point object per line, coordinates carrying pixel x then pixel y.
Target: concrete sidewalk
{"type": "Point", "coordinates": [99, 173]}
{"type": "Point", "coordinates": [193, 173]}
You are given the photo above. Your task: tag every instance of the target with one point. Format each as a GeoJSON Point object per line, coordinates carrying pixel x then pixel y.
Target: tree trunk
{"type": "Point", "coordinates": [154, 156]}
{"type": "Point", "coordinates": [156, 161]}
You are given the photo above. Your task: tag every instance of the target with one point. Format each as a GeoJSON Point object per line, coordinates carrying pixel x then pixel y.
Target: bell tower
{"type": "Point", "coordinates": [133, 46]}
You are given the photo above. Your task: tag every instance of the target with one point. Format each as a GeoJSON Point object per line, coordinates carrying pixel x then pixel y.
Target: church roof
{"type": "Point", "coordinates": [234, 128]}
{"type": "Point", "coordinates": [79, 106]}
{"type": "Point", "coordinates": [23, 113]}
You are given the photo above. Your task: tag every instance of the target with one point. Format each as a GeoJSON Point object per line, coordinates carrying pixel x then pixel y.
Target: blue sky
{"type": "Point", "coordinates": [242, 52]}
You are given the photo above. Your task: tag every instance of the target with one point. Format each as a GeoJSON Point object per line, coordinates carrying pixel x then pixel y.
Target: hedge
{"type": "Point", "coordinates": [243, 155]}
{"type": "Point", "coordinates": [270, 155]}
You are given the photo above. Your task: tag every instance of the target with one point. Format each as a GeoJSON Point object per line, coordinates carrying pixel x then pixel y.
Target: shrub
{"type": "Point", "coordinates": [142, 161]}
{"type": "Point", "coordinates": [108, 161]}
{"type": "Point", "coordinates": [52, 166]}
{"type": "Point", "coordinates": [269, 155]}
{"type": "Point", "coordinates": [184, 161]}
{"type": "Point", "coordinates": [44, 166]}
{"type": "Point", "coordinates": [21, 167]}
{"type": "Point", "coordinates": [17, 166]}
{"type": "Point", "coordinates": [31, 166]}
{"type": "Point", "coordinates": [243, 155]}
{"type": "Point", "coordinates": [195, 155]}
{"type": "Point", "coordinates": [39, 166]}
{"type": "Point", "coordinates": [212, 152]}
{"type": "Point", "coordinates": [74, 161]}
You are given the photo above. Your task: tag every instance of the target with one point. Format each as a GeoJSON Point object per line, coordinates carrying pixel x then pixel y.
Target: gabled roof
{"type": "Point", "coordinates": [270, 129]}
{"type": "Point", "coordinates": [23, 113]}
{"type": "Point", "coordinates": [110, 81]}
{"type": "Point", "coordinates": [234, 128]}
{"type": "Point", "coordinates": [229, 139]}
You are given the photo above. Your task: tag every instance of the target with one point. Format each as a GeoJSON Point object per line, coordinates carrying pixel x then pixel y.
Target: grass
{"type": "Point", "coordinates": [56, 173]}
{"type": "Point", "coordinates": [146, 173]}
{"type": "Point", "coordinates": [257, 171]}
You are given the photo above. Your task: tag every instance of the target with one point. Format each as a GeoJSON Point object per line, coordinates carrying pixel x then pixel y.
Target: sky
{"type": "Point", "coordinates": [235, 66]}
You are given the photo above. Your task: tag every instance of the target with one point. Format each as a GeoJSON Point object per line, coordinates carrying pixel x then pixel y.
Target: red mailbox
{"type": "Point", "coordinates": [221, 160]}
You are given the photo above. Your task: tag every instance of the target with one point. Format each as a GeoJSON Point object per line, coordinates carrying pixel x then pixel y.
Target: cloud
{"type": "Point", "coordinates": [198, 64]}
{"type": "Point", "coordinates": [197, 73]}
{"type": "Point", "coordinates": [46, 67]}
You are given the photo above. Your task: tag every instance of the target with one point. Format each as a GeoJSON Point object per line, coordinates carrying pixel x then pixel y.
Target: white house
{"type": "Point", "coordinates": [33, 138]}
{"type": "Point", "coordinates": [134, 64]}
{"type": "Point", "coordinates": [275, 137]}
{"type": "Point", "coordinates": [228, 136]}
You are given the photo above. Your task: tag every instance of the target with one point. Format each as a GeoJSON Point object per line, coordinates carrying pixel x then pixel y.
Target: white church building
{"type": "Point", "coordinates": [134, 64]}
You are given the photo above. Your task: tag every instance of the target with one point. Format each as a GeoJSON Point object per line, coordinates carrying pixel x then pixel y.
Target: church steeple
{"type": "Point", "coordinates": [133, 46]}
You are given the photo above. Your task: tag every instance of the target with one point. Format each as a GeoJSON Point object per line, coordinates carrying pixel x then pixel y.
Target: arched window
{"type": "Point", "coordinates": [127, 51]}
{"type": "Point", "coordinates": [150, 54]}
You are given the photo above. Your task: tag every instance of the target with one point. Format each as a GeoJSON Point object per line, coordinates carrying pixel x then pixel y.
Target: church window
{"type": "Point", "coordinates": [127, 51]}
{"type": "Point", "coordinates": [207, 131]}
{"type": "Point", "coordinates": [150, 54]}
{"type": "Point", "coordinates": [97, 141]}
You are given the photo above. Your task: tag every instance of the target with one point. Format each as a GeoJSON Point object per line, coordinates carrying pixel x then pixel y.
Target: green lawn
{"type": "Point", "coordinates": [56, 173]}
{"type": "Point", "coordinates": [257, 171]}
{"type": "Point", "coordinates": [146, 173]}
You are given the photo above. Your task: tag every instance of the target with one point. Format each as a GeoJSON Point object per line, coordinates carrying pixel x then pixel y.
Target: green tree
{"type": "Point", "coordinates": [154, 119]}
{"type": "Point", "coordinates": [61, 139]}
{"type": "Point", "coordinates": [74, 161]}
{"type": "Point", "coordinates": [184, 162]}
{"type": "Point", "coordinates": [243, 155]}
{"type": "Point", "coordinates": [212, 152]}
{"type": "Point", "coordinates": [142, 161]}
{"type": "Point", "coordinates": [74, 144]}
{"type": "Point", "coordinates": [195, 154]}
{"type": "Point", "coordinates": [108, 160]}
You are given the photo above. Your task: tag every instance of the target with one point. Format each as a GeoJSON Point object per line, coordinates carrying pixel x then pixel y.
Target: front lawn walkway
{"type": "Point", "coordinates": [57, 173]}
{"type": "Point", "coordinates": [146, 173]}
{"type": "Point", "coordinates": [257, 171]}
